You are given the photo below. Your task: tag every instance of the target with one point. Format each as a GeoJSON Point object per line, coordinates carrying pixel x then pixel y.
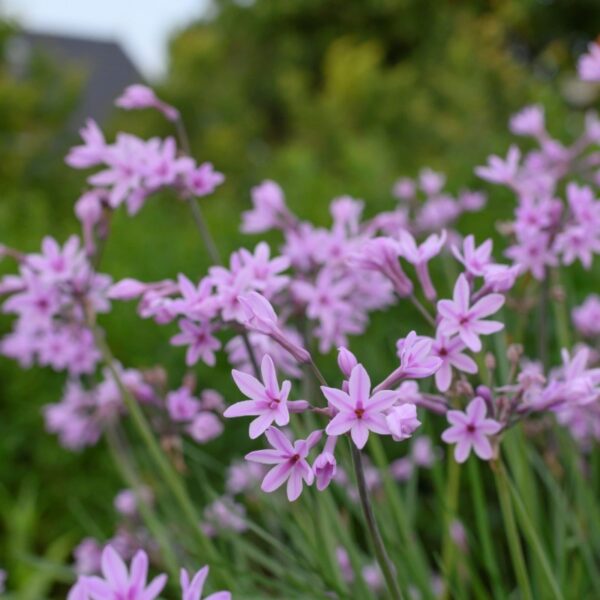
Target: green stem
{"type": "Point", "coordinates": [483, 528]}
{"type": "Point", "coordinates": [533, 538]}
{"type": "Point", "coordinates": [165, 468]}
{"type": "Point", "coordinates": [512, 533]}
{"type": "Point", "coordinates": [385, 564]}
{"type": "Point", "coordinates": [448, 550]}
{"type": "Point", "coordinates": [127, 470]}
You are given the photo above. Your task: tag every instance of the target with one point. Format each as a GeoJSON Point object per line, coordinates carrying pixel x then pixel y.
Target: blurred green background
{"type": "Point", "coordinates": [327, 98]}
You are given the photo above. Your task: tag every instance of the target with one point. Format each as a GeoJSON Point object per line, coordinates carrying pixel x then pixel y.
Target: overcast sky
{"type": "Point", "coordinates": [142, 27]}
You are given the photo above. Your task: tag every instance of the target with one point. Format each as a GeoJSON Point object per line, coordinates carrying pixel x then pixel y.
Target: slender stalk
{"type": "Point", "coordinates": [204, 232]}
{"type": "Point", "coordinates": [387, 568]}
{"type": "Point", "coordinates": [534, 540]}
{"type": "Point", "coordinates": [424, 312]}
{"type": "Point", "coordinates": [205, 235]}
{"type": "Point", "coordinates": [127, 470]}
{"type": "Point", "coordinates": [165, 468]}
{"type": "Point", "coordinates": [451, 495]}
{"type": "Point", "coordinates": [512, 532]}
{"type": "Point", "coordinates": [484, 530]}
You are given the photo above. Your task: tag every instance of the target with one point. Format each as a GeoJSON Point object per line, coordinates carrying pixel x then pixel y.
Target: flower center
{"type": "Point", "coordinates": [359, 412]}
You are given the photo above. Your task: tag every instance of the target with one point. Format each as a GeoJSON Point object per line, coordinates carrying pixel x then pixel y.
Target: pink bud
{"type": "Point", "coordinates": [346, 361]}
{"type": "Point", "coordinates": [402, 421]}
{"type": "Point", "coordinates": [126, 289]}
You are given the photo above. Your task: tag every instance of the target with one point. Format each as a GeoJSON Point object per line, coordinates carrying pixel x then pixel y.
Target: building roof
{"type": "Point", "coordinates": [107, 68]}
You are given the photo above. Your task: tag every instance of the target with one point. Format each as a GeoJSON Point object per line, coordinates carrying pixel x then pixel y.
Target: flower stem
{"type": "Point", "coordinates": [512, 532]}
{"type": "Point", "coordinates": [424, 312]}
{"type": "Point", "coordinates": [165, 468]}
{"type": "Point", "coordinates": [204, 232]}
{"type": "Point", "coordinates": [387, 568]}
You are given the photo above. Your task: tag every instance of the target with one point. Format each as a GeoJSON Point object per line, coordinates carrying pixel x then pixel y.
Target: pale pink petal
{"type": "Point", "coordinates": [219, 596]}
{"type": "Point", "coordinates": [453, 434]}
{"type": "Point", "coordinates": [461, 294]}
{"type": "Point", "coordinates": [486, 327]}
{"type": "Point", "coordinates": [277, 476]}
{"type": "Point", "coordinates": [261, 424]}
{"type": "Point", "coordinates": [462, 450]}
{"type": "Point", "coordinates": [338, 399]}
{"type": "Point", "coordinates": [359, 385]}
{"type": "Point", "coordinates": [482, 446]}
{"type": "Point", "coordinates": [139, 570]}
{"type": "Point", "coordinates": [359, 433]}
{"type": "Point", "coordinates": [447, 309]}
{"type": "Point", "coordinates": [248, 385]}
{"type": "Point", "coordinates": [443, 377]}
{"type": "Point", "coordinates": [269, 375]}
{"type": "Point", "coordinates": [294, 485]}
{"type": "Point", "coordinates": [476, 410]}
{"type": "Point", "coordinates": [376, 423]}
{"type": "Point", "coordinates": [155, 588]}
{"type": "Point", "coordinates": [489, 426]}
{"type": "Point", "coordinates": [382, 400]}
{"type": "Point", "coordinates": [457, 417]}
{"type": "Point", "coordinates": [265, 457]}
{"type": "Point", "coordinates": [463, 363]}
{"type": "Point", "coordinates": [279, 441]}
{"type": "Point", "coordinates": [470, 339]}
{"type": "Point", "coordinates": [341, 423]}
{"type": "Point", "coordinates": [113, 568]}
{"type": "Point", "coordinates": [246, 408]}
{"type": "Point", "coordinates": [488, 305]}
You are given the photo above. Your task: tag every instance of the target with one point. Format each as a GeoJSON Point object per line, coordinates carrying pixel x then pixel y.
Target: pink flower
{"type": "Point", "coordinates": [290, 460]}
{"type": "Point", "coordinates": [402, 421]}
{"type": "Point", "coordinates": [457, 316]}
{"type": "Point", "coordinates": [346, 361]}
{"type": "Point", "coordinates": [475, 259]}
{"type": "Point", "coordinates": [450, 352]}
{"type": "Point", "coordinates": [381, 255]}
{"type": "Point", "coordinates": [117, 582]}
{"type": "Point", "coordinates": [499, 170]}
{"type": "Point", "coordinates": [359, 412]}
{"type": "Point", "coordinates": [533, 253]}
{"type": "Point", "coordinates": [431, 182]}
{"type": "Point", "coordinates": [420, 255]}
{"type": "Point", "coordinates": [586, 317]}
{"type": "Point", "coordinates": [269, 209]}
{"type": "Point", "coordinates": [404, 189]}
{"type": "Point", "coordinates": [92, 152]}
{"type": "Point", "coordinates": [138, 96]}
{"type": "Point", "coordinates": [325, 465]}
{"type": "Point", "coordinates": [200, 341]}
{"type": "Point", "coordinates": [529, 121]}
{"type": "Point", "coordinates": [192, 589]}
{"type": "Point", "coordinates": [470, 430]}
{"type": "Point", "coordinates": [416, 360]}
{"type": "Point", "coordinates": [181, 405]}
{"type": "Point", "coordinates": [261, 317]}
{"type": "Point", "coordinates": [205, 427]}
{"type": "Point", "coordinates": [588, 65]}
{"type": "Point", "coordinates": [203, 180]}
{"type": "Point", "coordinates": [267, 402]}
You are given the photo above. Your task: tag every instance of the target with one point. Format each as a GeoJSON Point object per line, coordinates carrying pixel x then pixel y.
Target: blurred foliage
{"type": "Point", "coordinates": [325, 97]}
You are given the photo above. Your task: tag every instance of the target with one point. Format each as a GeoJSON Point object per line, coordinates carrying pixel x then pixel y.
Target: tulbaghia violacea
{"type": "Point", "coordinates": [275, 312]}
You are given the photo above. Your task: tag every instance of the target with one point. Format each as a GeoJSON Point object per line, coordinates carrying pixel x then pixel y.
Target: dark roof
{"type": "Point", "coordinates": [106, 66]}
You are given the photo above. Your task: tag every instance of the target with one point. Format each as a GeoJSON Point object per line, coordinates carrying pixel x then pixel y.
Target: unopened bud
{"type": "Point", "coordinates": [514, 353]}
{"type": "Point", "coordinates": [490, 361]}
{"type": "Point", "coordinates": [464, 388]}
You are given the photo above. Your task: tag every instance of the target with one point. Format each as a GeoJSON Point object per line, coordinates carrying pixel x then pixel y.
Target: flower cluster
{"type": "Point", "coordinates": [51, 295]}
{"type": "Point", "coordinates": [547, 231]}
{"type": "Point", "coordinates": [118, 581]}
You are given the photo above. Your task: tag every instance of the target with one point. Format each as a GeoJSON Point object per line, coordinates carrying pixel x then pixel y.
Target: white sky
{"type": "Point", "coordinates": [142, 27]}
